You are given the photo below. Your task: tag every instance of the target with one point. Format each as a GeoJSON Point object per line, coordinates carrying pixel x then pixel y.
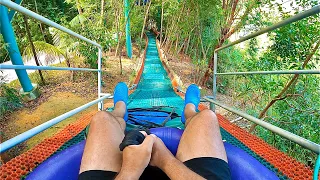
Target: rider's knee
{"type": "Point", "coordinates": [208, 118]}
{"type": "Point", "coordinates": [101, 117]}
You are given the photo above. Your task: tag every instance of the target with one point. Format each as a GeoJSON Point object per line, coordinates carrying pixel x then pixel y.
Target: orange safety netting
{"type": "Point", "coordinates": [287, 165]}
{"type": "Point", "coordinates": [26, 162]}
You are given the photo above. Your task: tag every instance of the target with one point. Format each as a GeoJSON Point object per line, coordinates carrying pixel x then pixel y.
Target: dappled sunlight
{"type": "Point", "coordinates": [56, 105]}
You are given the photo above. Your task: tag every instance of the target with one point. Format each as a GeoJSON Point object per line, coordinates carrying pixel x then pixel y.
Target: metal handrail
{"type": "Point", "coordinates": [314, 10]}
{"type": "Point", "coordinates": [101, 96]}
{"type": "Point", "coordinates": [44, 20]}
{"type": "Point", "coordinates": [12, 67]}
{"type": "Point", "coordinates": [273, 72]}
{"type": "Point", "coordinates": [36, 130]}
{"type": "Point", "coordinates": [286, 134]}
{"type": "Point", "coordinates": [297, 139]}
{"type": "Point", "coordinates": [297, 17]}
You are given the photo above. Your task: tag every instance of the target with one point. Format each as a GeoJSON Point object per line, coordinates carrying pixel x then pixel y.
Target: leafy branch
{"type": "Point", "coordinates": [311, 111]}
{"type": "Point", "coordinates": [292, 82]}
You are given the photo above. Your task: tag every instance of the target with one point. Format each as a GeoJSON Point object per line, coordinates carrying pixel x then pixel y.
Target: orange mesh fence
{"type": "Point", "coordinates": [26, 162]}
{"type": "Point", "coordinates": [287, 165]}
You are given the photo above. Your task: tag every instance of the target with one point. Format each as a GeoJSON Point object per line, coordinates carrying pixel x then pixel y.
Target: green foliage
{"type": "Point", "coordinates": [136, 21]}
{"type": "Point", "coordinates": [3, 50]}
{"type": "Point", "coordinates": [141, 44]}
{"type": "Point", "coordinates": [9, 98]}
{"type": "Point", "coordinates": [298, 111]}
{"type": "Point", "coordinates": [133, 75]}
{"type": "Point", "coordinates": [55, 10]}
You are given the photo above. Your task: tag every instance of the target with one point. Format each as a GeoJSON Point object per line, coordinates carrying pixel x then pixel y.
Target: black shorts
{"type": "Point", "coordinates": [207, 167]}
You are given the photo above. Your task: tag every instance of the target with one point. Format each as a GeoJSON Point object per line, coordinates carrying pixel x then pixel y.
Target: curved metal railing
{"type": "Point", "coordinates": [101, 96]}
{"type": "Point", "coordinates": [286, 134]}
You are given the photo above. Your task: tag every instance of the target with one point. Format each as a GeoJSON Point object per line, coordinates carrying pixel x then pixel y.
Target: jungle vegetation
{"type": "Point", "coordinates": [195, 28]}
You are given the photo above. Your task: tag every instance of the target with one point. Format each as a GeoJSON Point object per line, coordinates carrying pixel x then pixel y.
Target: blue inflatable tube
{"type": "Point", "coordinates": [66, 164]}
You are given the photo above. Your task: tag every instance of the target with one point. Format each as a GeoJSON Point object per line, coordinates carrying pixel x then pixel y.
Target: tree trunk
{"type": "Point", "coordinates": [162, 4]}
{"type": "Point", "coordinates": [188, 43]}
{"type": "Point", "coordinates": [69, 65]}
{"type": "Point", "coordinates": [120, 50]}
{"type": "Point", "coordinates": [145, 20]}
{"type": "Point", "coordinates": [118, 31]}
{"type": "Point", "coordinates": [175, 29]}
{"type": "Point", "coordinates": [102, 11]}
{"type": "Point", "coordinates": [182, 45]}
{"type": "Point", "coordinates": [67, 60]}
{"type": "Point", "coordinates": [202, 48]}
{"type": "Point", "coordinates": [206, 76]}
{"type": "Point", "coordinates": [170, 45]}
{"type": "Point", "coordinates": [176, 46]}
{"type": "Point", "coordinates": [32, 47]}
{"type": "Point", "coordinates": [79, 7]}
{"type": "Point", "coordinates": [226, 30]}
{"type": "Point", "coordinates": [171, 30]}
{"type": "Point", "coordinates": [166, 33]}
{"type": "Point", "coordinates": [187, 46]}
{"type": "Point", "coordinates": [119, 47]}
{"type": "Point", "coordinates": [40, 24]}
{"type": "Point", "coordinates": [120, 60]}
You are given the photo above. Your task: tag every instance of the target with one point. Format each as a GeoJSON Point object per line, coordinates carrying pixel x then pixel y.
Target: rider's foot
{"type": "Point", "coordinates": [121, 94]}
{"type": "Point", "coordinates": [192, 96]}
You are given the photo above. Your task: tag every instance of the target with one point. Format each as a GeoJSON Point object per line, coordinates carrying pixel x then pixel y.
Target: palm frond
{"type": "Point", "coordinates": [78, 20]}
{"type": "Point", "coordinates": [52, 52]}
{"type": "Point", "coordinates": [56, 36]}
{"type": "Point", "coordinates": [63, 40]}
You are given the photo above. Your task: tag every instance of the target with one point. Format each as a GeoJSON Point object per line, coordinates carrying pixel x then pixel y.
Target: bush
{"type": "Point", "coordinates": [9, 99]}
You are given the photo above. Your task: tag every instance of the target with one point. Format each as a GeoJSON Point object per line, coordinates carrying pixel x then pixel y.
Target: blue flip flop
{"type": "Point", "coordinates": [121, 94]}
{"type": "Point", "coordinates": [192, 96]}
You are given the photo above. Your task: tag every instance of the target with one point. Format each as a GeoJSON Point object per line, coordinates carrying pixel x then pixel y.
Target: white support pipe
{"type": "Point", "coordinates": [100, 104]}
{"type": "Point", "coordinates": [46, 21]}
{"type": "Point", "coordinates": [12, 67]}
{"type": "Point", "coordinates": [214, 84]}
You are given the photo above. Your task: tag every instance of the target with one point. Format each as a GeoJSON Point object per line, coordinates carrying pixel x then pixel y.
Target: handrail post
{"type": "Point", "coordinates": [13, 49]}
{"type": "Point", "coordinates": [128, 32]}
{"type": "Point", "coordinates": [100, 104]}
{"type": "Point", "coordinates": [214, 84]}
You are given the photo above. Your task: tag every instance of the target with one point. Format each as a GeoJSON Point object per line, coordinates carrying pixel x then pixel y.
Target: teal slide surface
{"type": "Point", "coordinates": [155, 88]}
